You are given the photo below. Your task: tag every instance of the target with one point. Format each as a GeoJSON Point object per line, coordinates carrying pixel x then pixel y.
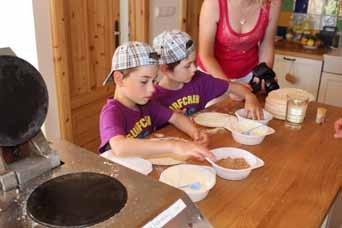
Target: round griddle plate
{"type": "Point", "coordinates": [77, 200]}
{"type": "Point", "coordinates": [23, 101]}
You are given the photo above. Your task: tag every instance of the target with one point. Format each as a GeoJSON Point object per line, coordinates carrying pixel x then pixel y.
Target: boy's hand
{"type": "Point", "coordinates": [253, 107]}
{"type": "Point", "coordinates": [201, 137]}
{"type": "Point", "coordinates": [190, 149]}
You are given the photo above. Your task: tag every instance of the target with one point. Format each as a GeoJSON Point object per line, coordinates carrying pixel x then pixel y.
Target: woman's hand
{"type": "Point", "coordinates": [190, 149]}
{"type": "Point", "coordinates": [338, 128]}
{"type": "Point", "coordinates": [253, 107]}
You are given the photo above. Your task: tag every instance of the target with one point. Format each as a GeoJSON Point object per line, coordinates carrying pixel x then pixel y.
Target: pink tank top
{"type": "Point", "coordinates": [237, 53]}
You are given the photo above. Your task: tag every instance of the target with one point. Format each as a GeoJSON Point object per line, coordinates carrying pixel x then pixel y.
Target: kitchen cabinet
{"type": "Point", "coordinates": [331, 83]}
{"type": "Point", "coordinates": [306, 73]}
{"type": "Point", "coordinates": [331, 89]}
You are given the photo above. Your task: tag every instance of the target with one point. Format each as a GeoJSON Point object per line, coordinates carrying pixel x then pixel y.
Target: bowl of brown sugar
{"type": "Point", "coordinates": [234, 163]}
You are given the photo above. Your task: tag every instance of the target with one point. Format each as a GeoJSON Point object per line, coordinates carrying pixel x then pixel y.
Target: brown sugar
{"type": "Point", "coordinates": [233, 163]}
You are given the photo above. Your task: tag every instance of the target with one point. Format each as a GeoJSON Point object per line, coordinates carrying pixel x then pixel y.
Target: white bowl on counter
{"type": "Point", "coordinates": [184, 174]}
{"type": "Point", "coordinates": [242, 133]}
{"type": "Point", "coordinates": [235, 174]}
{"type": "Point", "coordinates": [243, 115]}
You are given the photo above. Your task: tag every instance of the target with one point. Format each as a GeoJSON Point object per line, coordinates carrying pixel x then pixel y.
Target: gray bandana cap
{"type": "Point", "coordinates": [173, 46]}
{"type": "Point", "coordinates": [130, 55]}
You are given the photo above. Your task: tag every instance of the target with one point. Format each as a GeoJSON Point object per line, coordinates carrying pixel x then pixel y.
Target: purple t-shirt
{"type": "Point", "coordinates": [194, 95]}
{"type": "Point", "coordinates": [117, 119]}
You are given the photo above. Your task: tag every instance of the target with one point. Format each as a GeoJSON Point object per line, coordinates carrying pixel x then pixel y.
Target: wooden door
{"type": "Point", "coordinates": [189, 17]}
{"type": "Point", "coordinates": [139, 12]}
{"type": "Point", "coordinates": [83, 44]}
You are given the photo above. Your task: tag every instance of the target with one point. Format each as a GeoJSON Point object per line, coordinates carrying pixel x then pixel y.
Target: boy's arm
{"type": "Point", "coordinates": [123, 146]}
{"type": "Point", "coordinates": [252, 104]}
{"type": "Point", "coordinates": [184, 124]}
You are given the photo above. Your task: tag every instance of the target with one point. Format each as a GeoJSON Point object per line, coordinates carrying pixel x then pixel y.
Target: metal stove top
{"type": "Point", "coordinates": [146, 197]}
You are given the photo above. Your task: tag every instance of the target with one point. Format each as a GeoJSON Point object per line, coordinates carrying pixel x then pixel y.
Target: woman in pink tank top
{"type": "Point", "coordinates": [237, 35]}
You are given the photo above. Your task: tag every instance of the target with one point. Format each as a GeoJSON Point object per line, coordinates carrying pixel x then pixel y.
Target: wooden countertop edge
{"type": "Point", "coordinates": [299, 54]}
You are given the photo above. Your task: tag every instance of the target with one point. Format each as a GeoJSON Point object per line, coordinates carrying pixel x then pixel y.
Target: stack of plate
{"type": "Point", "coordinates": [277, 99]}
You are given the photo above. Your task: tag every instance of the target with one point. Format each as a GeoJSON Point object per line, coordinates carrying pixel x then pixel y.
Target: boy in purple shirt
{"type": "Point", "coordinates": [182, 88]}
{"type": "Point", "coordinates": [131, 116]}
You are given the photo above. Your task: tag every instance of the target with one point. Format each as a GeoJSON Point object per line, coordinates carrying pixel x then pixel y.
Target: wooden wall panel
{"type": "Point", "coordinates": [189, 17]}
{"type": "Point", "coordinates": [139, 12]}
{"type": "Point", "coordinates": [83, 39]}
{"type": "Point", "coordinates": [88, 117]}
{"type": "Point", "coordinates": [78, 38]}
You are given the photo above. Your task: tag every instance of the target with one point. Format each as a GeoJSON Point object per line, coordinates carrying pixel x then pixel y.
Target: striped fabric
{"type": "Point", "coordinates": [173, 46]}
{"type": "Point", "coordinates": [130, 55]}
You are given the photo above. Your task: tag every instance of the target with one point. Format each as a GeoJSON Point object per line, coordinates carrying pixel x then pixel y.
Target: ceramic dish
{"type": "Point", "coordinates": [235, 174]}
{"type": "Point", "coordinates": [181, 175]}
{"type": "Point", "coordinates": [242, 115]}
{"type": "Point", "coordinates": [256, 131]}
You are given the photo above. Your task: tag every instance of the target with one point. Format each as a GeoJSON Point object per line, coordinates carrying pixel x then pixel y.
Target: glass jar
{"type": "Point", "coordinates": [296, 111]}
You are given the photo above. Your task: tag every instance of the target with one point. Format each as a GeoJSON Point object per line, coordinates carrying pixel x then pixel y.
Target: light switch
{"type": "Point", "coordinates": [165, 11]}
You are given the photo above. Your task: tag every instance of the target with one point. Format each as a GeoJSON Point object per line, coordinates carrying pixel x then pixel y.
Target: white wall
{"type": "Point", "coordinates": [41, 11]}
{"type": "Point", "coordinates": [21, 31]}
{"type": "Point", "coordinates": [17, 29]}
{"type": "Point", "coordinates": [124, 30]}
{"type": "Point", "coordinates": [164, 15]}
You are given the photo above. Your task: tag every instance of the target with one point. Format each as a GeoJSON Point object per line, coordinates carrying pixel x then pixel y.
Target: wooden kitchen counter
{"type": "Point", "coordinates": [295, 188]}
{"type": "Point", "coordinates": [283, 47]}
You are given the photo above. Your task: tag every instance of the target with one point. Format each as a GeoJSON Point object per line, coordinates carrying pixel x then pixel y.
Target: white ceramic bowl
{"type": "Point", "coordinates": [185, 174]}
{"type": "Point", "coordinates": [235, 174]}
{"type": "Point", "coordinates": [254, 137]}
{"type": "Point", "coordinates": [242, 115]}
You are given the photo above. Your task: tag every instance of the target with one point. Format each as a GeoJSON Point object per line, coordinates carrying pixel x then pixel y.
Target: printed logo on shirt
{"type": "Point", "coordinates": [179, 104]}
{"type": "Point", "coordinates": [139, 126]}
{"type": "Point", "coordinates": [190, 111]}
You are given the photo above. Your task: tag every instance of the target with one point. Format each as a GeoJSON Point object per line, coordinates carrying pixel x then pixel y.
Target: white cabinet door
{"type": "Point", "coordinates": [307, 72]}
{"type": "Point", "coordinates": [331, 89]}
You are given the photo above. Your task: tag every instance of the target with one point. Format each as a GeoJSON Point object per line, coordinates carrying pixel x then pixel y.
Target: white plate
{"type": "Point", "coordinates": [212, 119]}
{"type": "Point", "coordinates": [276, 100]}
{"type": "Point", "coordinates": [166, 161]}
{"type": "Point", "coordinates": [279, 96]}
{"type": "Point", "coordinates": [186, 174]}
{"type": "Point", "coordinates": [135, 163]}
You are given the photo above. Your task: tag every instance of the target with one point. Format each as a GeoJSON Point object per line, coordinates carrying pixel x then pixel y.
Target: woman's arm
{"type": "Point", "coordinates": [209, 17]}
{"type": "Point", "coordinates": [266, 50]}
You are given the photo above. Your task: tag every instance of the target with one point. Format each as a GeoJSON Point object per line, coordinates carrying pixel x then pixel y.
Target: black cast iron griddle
{"type": "Point", "coordinates": [76, 200]}
{"type": "Point", "coordinates": [23, 101]}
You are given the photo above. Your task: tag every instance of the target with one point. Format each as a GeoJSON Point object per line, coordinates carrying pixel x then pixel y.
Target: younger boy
{"type": "Point", "coordinates": [130, 116]}
{"type": "Point", "coordinates": [182, 87]}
